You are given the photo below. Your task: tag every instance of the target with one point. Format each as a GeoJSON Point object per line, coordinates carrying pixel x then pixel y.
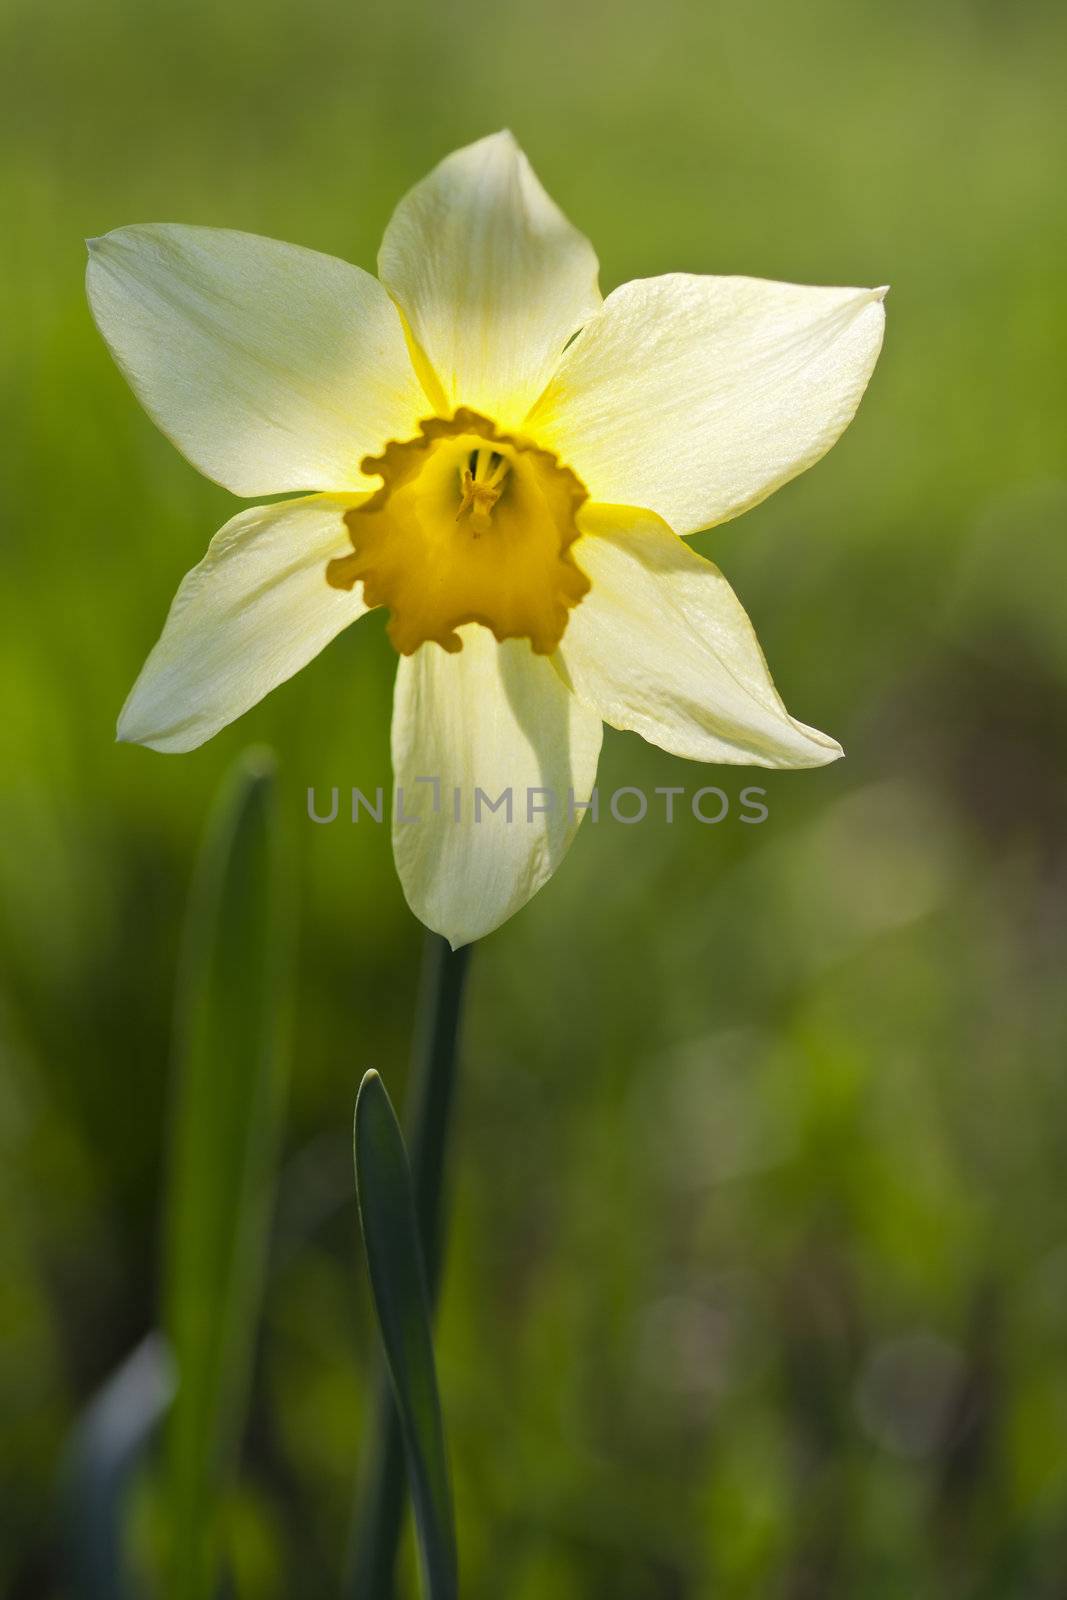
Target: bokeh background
{"type": "Point", "coordinates": [758, 1271]}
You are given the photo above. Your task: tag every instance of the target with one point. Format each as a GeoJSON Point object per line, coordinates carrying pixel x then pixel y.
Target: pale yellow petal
{"type": "Point", "coordinates": [491, 276]}
{"type": "Point", "coordinates": [492, 720]}
{"type": "Point", "coordinates": [697, 397]}
{"type": "Point", "coordinates": [256, 610]}
{"type": "Point", "coordinates": [273, 368]}
{"type": "Point", "coordinates": [661, 645]}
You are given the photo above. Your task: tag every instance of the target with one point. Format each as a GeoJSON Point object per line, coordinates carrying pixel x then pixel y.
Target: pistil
{"type": "Point", "coordinates": [481, 488]}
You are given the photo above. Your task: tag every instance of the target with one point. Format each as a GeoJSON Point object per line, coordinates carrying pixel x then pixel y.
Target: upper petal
{"type": "Point", "coordinates": [493, 717]}
{"type": "Point", "coordinates": [697, 397]}
{"type": "Point", "coordinates": [491, 276]}
{"type": "Point", "coordinates": [271, 367]}
{"type": "Point", "coordinates": [254, 611]}
{"type": "Point", "coordinates": [662, 645]}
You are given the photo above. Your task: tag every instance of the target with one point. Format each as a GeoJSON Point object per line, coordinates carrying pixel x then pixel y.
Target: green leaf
{"type": "Point", "coordinates": [231, 1021]}
{"type": "Point", "coordinates": [431, 1086]}
{"type": "Point", "coordinates": [398, 1282]}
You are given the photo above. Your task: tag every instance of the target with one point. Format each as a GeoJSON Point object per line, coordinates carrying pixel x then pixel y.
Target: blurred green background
{"type": "Point", "coordinates": [758, 1271]}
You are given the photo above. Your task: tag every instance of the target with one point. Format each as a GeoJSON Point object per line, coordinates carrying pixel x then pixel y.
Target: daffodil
{"type": "Point", "coordinates": [506, 463]}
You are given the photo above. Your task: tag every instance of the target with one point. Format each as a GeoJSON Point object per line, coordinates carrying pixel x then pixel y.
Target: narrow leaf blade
{"type": "Point", "coordinates": [229, 1088]}
{"type": "Point", "coordinates": [398, 1283]}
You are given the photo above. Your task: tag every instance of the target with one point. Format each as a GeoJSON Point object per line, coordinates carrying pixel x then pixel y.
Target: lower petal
{"type": "Point", "coordinates": [662, 645]}
{"type": "Point", "coordinates": [490, 725]}
{"type": "Point", "coordinates": [255, 610]}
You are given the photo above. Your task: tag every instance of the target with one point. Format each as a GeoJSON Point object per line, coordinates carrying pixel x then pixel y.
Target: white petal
{"type": "Point", "coordinates": [491, 276]}
{"type": "Point", "coordinates": [271, 367]}
{"type": "Point", "coordinates": [493, 717]}
{"type": "Point", "coordinates": [256, 610]}
{"type": "Point", "coordinates": [662, 645]}
{"type": "Point", "coordinates": [698, 397]}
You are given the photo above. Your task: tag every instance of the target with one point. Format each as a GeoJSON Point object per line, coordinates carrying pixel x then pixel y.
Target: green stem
{"type": "Point", "coordinates": [427, 1117]}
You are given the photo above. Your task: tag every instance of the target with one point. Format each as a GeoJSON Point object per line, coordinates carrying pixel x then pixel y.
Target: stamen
{"type": "Point", "coordinates": [480, 487]}
{"type": "Point", "coordinates": [479, 499]}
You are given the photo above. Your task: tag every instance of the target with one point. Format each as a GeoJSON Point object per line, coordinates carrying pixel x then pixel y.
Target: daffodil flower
{"type": "Point", "coordinates": [504, 461]}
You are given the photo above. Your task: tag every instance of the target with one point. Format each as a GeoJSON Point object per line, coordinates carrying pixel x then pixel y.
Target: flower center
{"type": "Point", "coordinates": [470, 525]}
